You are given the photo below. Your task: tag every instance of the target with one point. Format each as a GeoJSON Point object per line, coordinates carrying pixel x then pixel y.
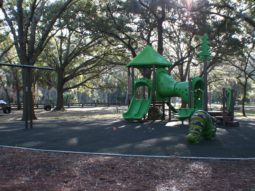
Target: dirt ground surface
{"type": "Point", "coordinates": [23, 169]}
{"type": "Point", "coordinates": [33, 170]}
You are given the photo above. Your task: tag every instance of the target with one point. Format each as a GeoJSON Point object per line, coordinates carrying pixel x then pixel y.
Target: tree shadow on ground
{"type": "Point", "coordinates": [119, 136]}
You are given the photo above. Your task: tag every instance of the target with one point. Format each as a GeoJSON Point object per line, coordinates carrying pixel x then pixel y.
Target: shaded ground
{"type": "Point", "coordinates": [102, 130]}
{"type": "Point", "coordinates": [32, 170]}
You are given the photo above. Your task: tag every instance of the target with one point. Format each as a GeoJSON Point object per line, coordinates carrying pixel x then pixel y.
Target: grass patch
{"type": "Point", "coordinates": [249, 114]}
{"type": "Point", "coordinates": [81, 117]}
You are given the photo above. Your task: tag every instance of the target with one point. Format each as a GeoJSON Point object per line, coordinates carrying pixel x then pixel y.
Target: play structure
{"type": "Point", "coordinates": [158, 90]}
{"type": "Point", "coordinates": [157, 86]}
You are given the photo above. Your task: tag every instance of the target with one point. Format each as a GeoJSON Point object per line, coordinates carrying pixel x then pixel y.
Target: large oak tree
{"type": "Point", "coordinates": [31, 23]}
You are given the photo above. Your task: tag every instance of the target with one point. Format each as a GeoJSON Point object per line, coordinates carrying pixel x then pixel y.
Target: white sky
{"type": "Point", "coordinates": [1, 15]}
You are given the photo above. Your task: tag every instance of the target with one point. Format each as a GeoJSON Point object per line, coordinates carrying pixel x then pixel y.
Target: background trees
{"type": "Point", "coordinates": [87, 42]}
{"type": "Point", "coordinates": [31, 24]}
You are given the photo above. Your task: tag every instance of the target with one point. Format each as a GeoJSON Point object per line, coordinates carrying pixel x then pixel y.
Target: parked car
{"type": "Point", "coordinates": [47, 107]}
{"type": "Point", "coordinates": [5, 107]}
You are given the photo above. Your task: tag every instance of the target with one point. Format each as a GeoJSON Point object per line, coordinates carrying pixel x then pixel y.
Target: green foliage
{"type": "Point", "coordinates": [109, 33]}
{"type": "Point", "coordinates": [69, 97]}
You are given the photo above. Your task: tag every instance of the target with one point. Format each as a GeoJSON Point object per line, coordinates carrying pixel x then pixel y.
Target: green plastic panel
{"type": "Point", "coordinates": [149, 57]}
{"type": "Point", "coordinates": [230, 100]}
{"type": "Point", "coordinates": [168, 87]}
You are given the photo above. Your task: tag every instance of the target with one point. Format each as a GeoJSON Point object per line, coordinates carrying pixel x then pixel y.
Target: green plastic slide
{"type": "Point", "coordinates": [138, 108]}
{"type": "Point", "coordinates": [184, 113]}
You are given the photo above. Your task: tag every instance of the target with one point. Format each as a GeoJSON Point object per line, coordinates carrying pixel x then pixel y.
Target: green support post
{"type": "Point", "coordinates": [133, 80]}
{"type": "Point", "coordinates": [154, 86]}
{"type": "Point", "coordinates": [205, 56]}
{"type": "Point", "coordinates": [129, 91]}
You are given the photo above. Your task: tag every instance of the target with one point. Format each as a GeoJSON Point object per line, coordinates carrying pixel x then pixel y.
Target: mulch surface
{"type": "Point", "coordinates": [36, 170]}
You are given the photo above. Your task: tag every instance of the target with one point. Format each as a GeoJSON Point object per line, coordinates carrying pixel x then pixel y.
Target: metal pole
{"type": "Point", "coordinates": [154, 86]}
{"type": "Point", "coordinates": [224, 100]}
{"type": "Point", "coordinates": [128, 98]}
{"type": "Point", "coordinates": [144, 97]}
{"type": "Point", "coordinates": [190, 94]}
{"type": "Point", "coordinates": [169, 110]}
{"type": "Point", "coordinates": [133, 79]}
{"type": "Point", "coordinates": [232, 104]}
{"type": "Point", "coordinates": [163, 108]}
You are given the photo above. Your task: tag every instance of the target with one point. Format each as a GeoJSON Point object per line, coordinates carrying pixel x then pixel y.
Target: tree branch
{"type": "Point", "coordinates": [10, 24]}
{"type": "Point", "coordinates": [45, 38]}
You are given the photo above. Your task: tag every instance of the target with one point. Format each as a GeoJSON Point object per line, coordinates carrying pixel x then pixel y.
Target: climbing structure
{"type": "Point", "coordinates": [160, 87]}
{"type": "Point", "coordinates": [146, 62]}
{"type": "Point", "coordinates": [167, 87]}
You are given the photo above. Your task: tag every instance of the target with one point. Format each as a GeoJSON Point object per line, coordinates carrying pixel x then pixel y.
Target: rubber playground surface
{"type": "Point", "coordinates": [106, 132]}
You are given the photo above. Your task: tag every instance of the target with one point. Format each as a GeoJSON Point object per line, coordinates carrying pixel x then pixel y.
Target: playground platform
{"type": "Point", "coordinates": [121, 137]}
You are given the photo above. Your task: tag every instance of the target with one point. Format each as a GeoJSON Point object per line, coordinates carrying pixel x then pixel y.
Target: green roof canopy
{"type": "Point", "coordinates": [149, 57]}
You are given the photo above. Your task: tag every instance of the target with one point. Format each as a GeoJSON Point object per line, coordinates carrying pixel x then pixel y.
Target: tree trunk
{"type": "Point", "coordinates": [18, 98]}
{"type": "Point", "coordinates": [17, 88]}
{"type": "Point", "coordinates": [25, 94]}
{"type": "Point", "coordinates": [60, 100]}
{"type": "Point", "coordinates": [244, 96]}
{"type": "Point", "coordinates": [243, 107]}
{"type": "Point", "coordinates": [60, 90]}
{"type": "Point", "coordinates": [28, 102]}
{"type": "Point", "coordinates": [160, 36]}
{"type": "Point", "coordinates": [160, 28]}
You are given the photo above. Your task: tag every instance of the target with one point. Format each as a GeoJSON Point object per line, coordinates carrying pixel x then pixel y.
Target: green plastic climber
{"type": "Point", "coordinates": [160, 87]}
{"type": "Point", "coordinates": [205, 54]}
{"type": "Point", "coordinates": [201, 126]}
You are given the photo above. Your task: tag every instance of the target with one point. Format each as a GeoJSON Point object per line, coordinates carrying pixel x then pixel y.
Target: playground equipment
{"type": "Point", "coordinates": [139, 107]}
{"type": "Point", "coordinates": [202, 125]}
{"type": "Point", "coordinates": [161, 88]}
{"type": "Point", "coordinates": [188, 91]}
{"type": "Point", "coordinates": [226, 116]}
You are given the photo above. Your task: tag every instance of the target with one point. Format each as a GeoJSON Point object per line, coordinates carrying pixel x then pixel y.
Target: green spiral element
{"type": "Point", "coordinates": [201, 126]}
